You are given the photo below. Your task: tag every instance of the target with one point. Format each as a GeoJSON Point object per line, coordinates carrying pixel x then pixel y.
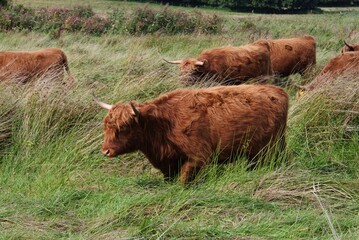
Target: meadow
{"type": "Point", "coordinates": [55, 183]}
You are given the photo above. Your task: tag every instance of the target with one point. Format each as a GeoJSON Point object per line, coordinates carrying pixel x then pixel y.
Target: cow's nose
{"type": "Point", "coordinates": [106, 152]}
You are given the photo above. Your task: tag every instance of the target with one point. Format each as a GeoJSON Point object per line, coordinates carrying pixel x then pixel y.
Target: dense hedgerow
{"type": "Point", "coordinates": [166, 21]}
{"type": "Point", "coordinates": [82, 19]}
{"type": "Point", "coordinates": [266, 6]}
{"type": "Point", "coordinates": [4, 3]}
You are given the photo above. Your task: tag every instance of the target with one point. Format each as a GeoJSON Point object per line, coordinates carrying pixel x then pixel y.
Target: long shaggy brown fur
{"type": "Point", "coordinates": [345, 64]}
{"type": "Point", "coordinates": [230, 65]}
{"type": "Point", "coordinates": [180, 130]}
{"type": "Point", "coordinates": [25, 65]}
{"type": "Point", "coordinates": [292, 55]}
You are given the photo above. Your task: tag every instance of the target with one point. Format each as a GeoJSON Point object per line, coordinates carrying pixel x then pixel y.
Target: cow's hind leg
{"type": "Point", "coordinates": [189, 170]}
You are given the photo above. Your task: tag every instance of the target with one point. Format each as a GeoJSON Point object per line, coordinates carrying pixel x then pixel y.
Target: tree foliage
{"type": "Point", "coordinates": [338, 3]}
{"type": "Point", "coordinates": [261, 5]}
{"type": "Point", "coordinates": [4, 3]}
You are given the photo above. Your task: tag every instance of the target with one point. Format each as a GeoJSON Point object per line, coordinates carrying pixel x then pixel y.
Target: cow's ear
{"type": "Point", "coordinates": [205, 63]}
{"type": "Point", "coordinates": [351, 47]}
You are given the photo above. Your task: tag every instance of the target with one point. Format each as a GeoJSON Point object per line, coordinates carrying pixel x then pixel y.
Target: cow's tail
{"type": "Point", "coordinates": [66, 66]}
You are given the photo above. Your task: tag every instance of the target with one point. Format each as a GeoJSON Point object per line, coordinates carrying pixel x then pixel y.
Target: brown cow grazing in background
{"type": "Point", "coordinates": [344, 64]}
{"type": "Point", "coordinates": [347, 62]}
{"type": "Point", "coordinates": [227, 65]}
{"type": "Point", "coordinates": [181, 130]}
{"type": "Point", "coordinates": [26, 65]}
{"type": "Point", "coordinates": [292, 55]}
{"type": "Point", "coordinates": [349, 48]}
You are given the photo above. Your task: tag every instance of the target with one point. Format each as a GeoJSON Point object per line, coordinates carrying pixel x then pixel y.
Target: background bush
{"type": "Point", "coordinates": [262, 5]}
{"type": "Point", "coordinates": [142, 20]}
{"type": "Point", "coordinates": [4, 3]}
{"type": "Point", "coordinates": [146, 20]}
{"type": "Point", "coordinates": [338, 3]}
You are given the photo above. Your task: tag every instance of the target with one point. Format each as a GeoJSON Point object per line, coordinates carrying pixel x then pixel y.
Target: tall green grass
{"type": "Point", "coordinates": [55, 184]}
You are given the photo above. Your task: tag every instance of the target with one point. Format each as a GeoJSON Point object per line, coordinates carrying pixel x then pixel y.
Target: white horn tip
{"type": "Point", "coordinates": [172, 62]}
{"type": "Point", "coordinates": [102, 104]}
{"type": "Point", "coordinates": [199, 63]}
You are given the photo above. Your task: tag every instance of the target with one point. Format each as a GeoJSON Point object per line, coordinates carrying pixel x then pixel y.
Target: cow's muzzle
{"type": "Point", "coordinates": [106, 152]}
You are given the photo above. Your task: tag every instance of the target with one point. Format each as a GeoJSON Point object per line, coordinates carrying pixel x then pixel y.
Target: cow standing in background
{"type": "Point", "coordinates": [292, 55]}
{"type": "Point", "coordinates": [181, 130]}
{"type": "Point", "coordinates": [227, 65]}
{"type": "Point", "coordinates": [347, 62]}
{"type": "Point", "coordinates": [344, 64]}
{"type": "Point", "coordinates": [349, 48]}
{"type": "Point", "coordinates": [23, 66]}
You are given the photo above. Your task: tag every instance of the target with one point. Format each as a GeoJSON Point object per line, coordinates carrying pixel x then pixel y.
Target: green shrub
{"type": "Point", "coordinates": [47, 19]}
{"type": "Point", "coordinates": [83, 11]}
{"type": "Point", "coordinates": [147, 20]}
{"type": "Point", "coordinates": [5, 3]}
{"type": "Point", "coordinates": [5, 20]}
{"type": "Point", "coordinates": [96, 25]}
{"type": "Point", "coordinates": [83, 19]}
{"type": "Point", "coordinates": [283, 5]}
{"type": "Point", "coordinates": [249, 5]}
{"type": "Point", "coordinates": [117, 19]}
{"type": "Point", "coordinates": [337, 3]}
{"type": "Point", "coordinates": [262, 5]}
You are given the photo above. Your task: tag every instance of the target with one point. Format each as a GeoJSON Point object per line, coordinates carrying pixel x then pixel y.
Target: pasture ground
{"type": "Point", "coordinates": [55, 184]}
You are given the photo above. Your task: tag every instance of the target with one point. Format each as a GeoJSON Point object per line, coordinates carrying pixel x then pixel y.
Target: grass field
{"type": "Point", "coordinates": [55, 183]}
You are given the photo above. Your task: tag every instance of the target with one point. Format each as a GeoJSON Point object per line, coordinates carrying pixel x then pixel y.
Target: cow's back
{"type": "Point", "coordinates": [241, 118]}
{"type": "Point", "coordinates": [292, 55]}
{"type": "Point", "coordinates": [238, 63]}
{"type": "Point", "coordinates": [26, 64]}
{"type": "Point", "coordinates": [346, 62]}
{"type": "Point", "coordinates": [249, 119]}
{"type": "Point", "coordinates": [17, 65]}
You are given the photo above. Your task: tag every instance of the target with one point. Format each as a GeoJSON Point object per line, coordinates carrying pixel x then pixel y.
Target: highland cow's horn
{"type": "Point", "coordinates": [199, 63]}
{"type": "Point", "coordinates": [134, 109]}
{"type": "Point", "coordinates": [349, 46]}
{"type": "Point", "coordinates": [300, 87]}
{"type": "Point", "coordinates": [173, 62]}
{"type": "Point", "coordinates": [102, 104]}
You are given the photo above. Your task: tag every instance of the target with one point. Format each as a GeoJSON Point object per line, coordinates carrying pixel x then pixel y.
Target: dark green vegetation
{"type": "Point", "coordinates": [141, 20]}
{"type": "Point", "coordinates": [4, 3]}
{"type": "Point", "coordinates": [55, 184]}
{"type": "Point", "coordinates": [265, 6]}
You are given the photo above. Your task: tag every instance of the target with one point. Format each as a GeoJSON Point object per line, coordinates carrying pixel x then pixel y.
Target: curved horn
{"type": "Point", "coordinates": [134, 109]}
{"type": "Point", "coordinates": [173, 62]}
{"type": "Point", "coordinates": [102, 104]}
{"type": "Point", "coordinates": [199, 63]}
{"type": "Point", "coordinates": [300, 87]}
{"type": "Point", "coordinates": [349, 46]}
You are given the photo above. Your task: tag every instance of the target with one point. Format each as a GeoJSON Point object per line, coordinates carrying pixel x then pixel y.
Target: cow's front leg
{"type": "Point", "coordinates": [168, 176]}
{"type": "Point", "coordinates": [169, 173]}
{"type": "Point", "coordinates": [189, 170]}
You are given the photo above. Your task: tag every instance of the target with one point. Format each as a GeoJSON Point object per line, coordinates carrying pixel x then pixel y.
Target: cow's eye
{"type": "Point", "coordinates": [117, 133]}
